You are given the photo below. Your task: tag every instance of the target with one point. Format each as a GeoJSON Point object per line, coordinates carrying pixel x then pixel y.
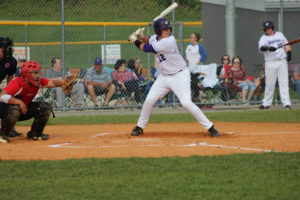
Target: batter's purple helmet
{"type": "Point", "coordinates": [268, 24]}
{"type": "Point", "coordinates": [161, 24]}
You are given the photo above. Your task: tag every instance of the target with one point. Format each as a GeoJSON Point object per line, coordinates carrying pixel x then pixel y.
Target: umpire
{"type": "Point", "coordinates": [8, 67]}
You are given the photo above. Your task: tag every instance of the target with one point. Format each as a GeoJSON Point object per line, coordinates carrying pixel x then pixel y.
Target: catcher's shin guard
{"type": "Point", "coordinates": [10, 119]}
{"type": "Point", "coordinates": [40, 121]}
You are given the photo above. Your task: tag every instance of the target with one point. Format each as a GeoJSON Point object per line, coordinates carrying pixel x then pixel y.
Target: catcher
{"type": "Point", "coordinates": [16, 101]}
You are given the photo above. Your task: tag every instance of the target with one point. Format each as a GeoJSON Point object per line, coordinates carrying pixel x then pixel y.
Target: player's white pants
{"type": "Point", "coordinates": [180, 85]}
{"type": "Point", "coordinates": [276, 70]}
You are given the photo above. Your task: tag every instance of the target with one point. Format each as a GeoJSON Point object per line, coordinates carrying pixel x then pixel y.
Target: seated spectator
{"type": "Point", "coordinates": [297, 79]}
{"type": "Point", "coordinates": [20, 62]}
{"type": "Point", "coordinates": [99, 81]}
{"type": "Point", "coordinates": [221, 73]}
{"type": "Point", "coordinates": [202, 76]}
{"type": "Point", "coordinates": [239, 78]}
{"type": "Point", "coordinates": [126, 80]}
{"type": "Point", "coordinates": [57, 73]}
{"type": "Point", "coordinates": [136, 66]}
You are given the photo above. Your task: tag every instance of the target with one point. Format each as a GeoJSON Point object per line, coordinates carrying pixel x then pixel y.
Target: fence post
{"type": "Point", "coordinates": [63, 46]}
{"type": "Point", "coordinates": [230, 27]}
{"type": "Point", "coordinates": [104, 44]}
{"type": "Point", "coordinates": [280, 17]}
{"type": "Point", "coordinates": [26, 41]}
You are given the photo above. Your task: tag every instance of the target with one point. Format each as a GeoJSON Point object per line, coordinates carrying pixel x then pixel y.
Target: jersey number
{"type": "Point", "coordinates": [161, 58]}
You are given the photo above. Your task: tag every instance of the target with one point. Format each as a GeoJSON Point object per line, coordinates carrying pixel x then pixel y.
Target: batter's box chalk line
{"type": "Point", "coordinates": [261, 133]}
{"type": "Point", "coordinates": [104, 134]}
{"type": "Point", "coordinates": [69, 145]}
{"type": "Point", "coordinates": [228, 147]}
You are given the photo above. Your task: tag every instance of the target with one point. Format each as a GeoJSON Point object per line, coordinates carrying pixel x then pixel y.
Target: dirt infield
{"type": "Point", "coordinates": [161, 139]}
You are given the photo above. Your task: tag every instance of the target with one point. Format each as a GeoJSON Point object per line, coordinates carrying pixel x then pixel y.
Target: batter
{"type": "Point", "coordinates": [276, 65]}
{"type": "Point", "coordinates": [174, 76]}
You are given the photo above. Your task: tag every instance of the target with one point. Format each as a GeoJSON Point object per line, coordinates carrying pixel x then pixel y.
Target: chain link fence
{"type": "Point", "coordinates": [101, 28]}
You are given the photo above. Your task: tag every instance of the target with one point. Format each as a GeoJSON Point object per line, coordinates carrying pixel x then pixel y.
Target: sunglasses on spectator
{"type": "Point", "coordinates": [236, 62]}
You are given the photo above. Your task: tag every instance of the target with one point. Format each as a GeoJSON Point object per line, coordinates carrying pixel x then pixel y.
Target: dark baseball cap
{"type": "Point", "coordinates": [98, 61]}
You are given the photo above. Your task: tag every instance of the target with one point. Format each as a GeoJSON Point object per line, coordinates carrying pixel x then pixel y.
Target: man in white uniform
{"type": "Point", "coordinates": [276, 65]}
{"type": "Point", "coordinates": [174, 76]}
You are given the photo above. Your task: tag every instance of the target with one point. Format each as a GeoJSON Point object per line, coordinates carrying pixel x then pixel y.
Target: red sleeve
{"type": "Point", "coordinates": [13, 87]}
{"type": "Point", "coordinates": [44, 81]}
{"type": "Point", "coordinates": [115, 75]}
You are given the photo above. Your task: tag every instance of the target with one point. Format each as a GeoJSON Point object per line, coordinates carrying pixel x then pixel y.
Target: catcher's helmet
{"type": "Point", "coordinates": [161, 24]}
{"type": "Point", "coordinates": [268, 24]}
{"type": "Point", "coordinates": [28, 68]}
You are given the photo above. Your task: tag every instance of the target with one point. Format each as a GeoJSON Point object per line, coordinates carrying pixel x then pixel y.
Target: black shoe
{"type": "Point", "coordinates": [4, 139]}
{"type": "Point", "coordinates": [287, 107]}
{"type": "Point", "coordinates": [30, 136]}
{"type": "Point", "coordinates": [137, 131]}
{"type": "Point", "coordinates": [263, 107]}
{"type": "Point", "coordinates": [213, 132]}
{"type": "Point", "coordinates": [14, 133]}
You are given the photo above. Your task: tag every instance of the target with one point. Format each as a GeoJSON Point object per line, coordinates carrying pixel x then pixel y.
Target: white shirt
{"type": "Point", "coordinates": [167, 55]}
{"type": "Point", "coordinates": [192, 54]}
{"type": "Point", "coordinates": [275, 40]}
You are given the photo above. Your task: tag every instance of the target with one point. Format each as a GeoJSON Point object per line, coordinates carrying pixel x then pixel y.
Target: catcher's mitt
{"type": "Point", "coordinates": [67, 85]}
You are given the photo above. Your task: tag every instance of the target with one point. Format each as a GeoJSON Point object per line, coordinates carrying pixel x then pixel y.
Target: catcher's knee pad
{"type": "Point", "coordinates": [41, 119]}
{"type": "Point", "coordinates": [9, 120]}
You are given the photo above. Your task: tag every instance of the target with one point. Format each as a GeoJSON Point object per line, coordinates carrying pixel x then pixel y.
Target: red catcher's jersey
{"type": "Point", "coordinates": [20, 89]}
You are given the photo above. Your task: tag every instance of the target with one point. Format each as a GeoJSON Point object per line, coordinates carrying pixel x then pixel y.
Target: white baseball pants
{"type": "Point", "coordinates": [180, 85]}
{"type": "Point", "coordinates": [276, 70]}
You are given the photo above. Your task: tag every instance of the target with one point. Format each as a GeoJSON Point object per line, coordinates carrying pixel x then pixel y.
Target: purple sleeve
{"type": "Point", "coordinates": [148, 48]}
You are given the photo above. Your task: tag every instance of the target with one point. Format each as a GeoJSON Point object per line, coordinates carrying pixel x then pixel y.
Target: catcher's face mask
{"type": "Point", "coordinates": [31, 71]}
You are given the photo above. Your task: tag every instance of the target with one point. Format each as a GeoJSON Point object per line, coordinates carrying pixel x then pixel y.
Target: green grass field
{"type": "Point", "coordinates": [240, 176]}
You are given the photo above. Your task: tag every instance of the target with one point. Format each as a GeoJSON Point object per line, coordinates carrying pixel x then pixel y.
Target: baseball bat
{"type": "Point", "coordinates": [289, 43]}
{"type": "Point", "coordinates": [162, 14]}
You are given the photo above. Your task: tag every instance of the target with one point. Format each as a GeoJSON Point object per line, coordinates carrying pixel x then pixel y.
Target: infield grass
{"type": "Point", "coordinates": [239, 176]}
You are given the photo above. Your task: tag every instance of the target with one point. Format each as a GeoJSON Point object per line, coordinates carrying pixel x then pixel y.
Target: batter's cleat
{"type": "Point", "coordinates": [4, 139]}
{"type": "Point", "coordinates": [30, 136]}
{"type": "Point", "coordinates": [213, 132]}
{"type": "Point", "coordinates": [263, 107]}
{"type": "Point", "coordinates": [137, 131]}
{"type": "Point", "coordinates": [14, 133]}
{"type": "Point", "coordinates": [287, 107]}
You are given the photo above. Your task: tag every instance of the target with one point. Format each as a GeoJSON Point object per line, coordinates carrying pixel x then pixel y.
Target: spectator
{"type": "Point", "coordinates": [240, 79]}
{"type": "Point", "coordinates": [297, 79]}
{"type": "Point", "coordinates": [20, 62]}
{"type": "Point", "coordinates": [195, 51]}
{"type": "Point", "coordinates": [56, 73]}
{"type": "Point", "coordinates": [99, 81]}
{"type": "Point", "coordinates": [126, 80]}
{"type": "Point", "coordinates": [136, 66]}
{"type": "Point", "coordinates": [221, 73]}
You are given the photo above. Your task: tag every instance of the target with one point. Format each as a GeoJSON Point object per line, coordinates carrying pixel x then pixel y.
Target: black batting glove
{"type": "Point", "coordinates": [264, 48]}
{"type": "Point", "coordinates": [138, 43]}
{"type": "Point", "coordinates": [289, 56]}
{"type": "Point", "coordinates": [272, 49]}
